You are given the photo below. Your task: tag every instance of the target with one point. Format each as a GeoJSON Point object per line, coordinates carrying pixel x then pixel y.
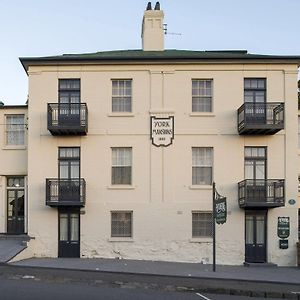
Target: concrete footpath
{"type": "Point", "coordinates": [258, 281]}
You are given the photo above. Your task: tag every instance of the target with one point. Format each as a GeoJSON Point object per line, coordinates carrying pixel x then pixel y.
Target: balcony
{"type": "Point", "coordinates": [261, 193]}
{"type": "Point", "coordinates": [65, 192]}
{"type": "Point", "coordinates": [260, 118]}
{"type": "Point", "coordinates": [68, 118]}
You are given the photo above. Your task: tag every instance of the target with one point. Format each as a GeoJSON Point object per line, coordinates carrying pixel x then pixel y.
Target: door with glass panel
{"type": "Point", "coordinates": [69, 233]}
{"type": "Point", "coordinates": [69, 102]}
{"type": "Point", "coordinates": [255, 236]}
{"type": "Point", "coordinates": [69, 173]}
{"type": "Point", "coordinates": [255, 100]}
{"type": "Point", "coordinates": [15, 205]}
{"type": "Point", "coordinates": [256, 173]}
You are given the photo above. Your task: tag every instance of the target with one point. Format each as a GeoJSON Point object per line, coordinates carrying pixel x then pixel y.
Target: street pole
{"type": "Point", "coordinates": [214, 227]}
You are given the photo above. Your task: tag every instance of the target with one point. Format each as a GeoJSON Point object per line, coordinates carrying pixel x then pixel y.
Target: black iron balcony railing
{"type": "Point", "coordinates": [65, 192]}
{"type": "Point", "coordinates": [260, 118]}
{"type": "Point", "coordinates": [68, 118]}
{"type": "Point", "coordinates": [264, 193]}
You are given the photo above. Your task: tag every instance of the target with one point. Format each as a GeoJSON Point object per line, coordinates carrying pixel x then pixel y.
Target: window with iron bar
{"type": "Point", "coordinates": [202, 223]}
{"type": "Point", "coordinates": [121, 224]}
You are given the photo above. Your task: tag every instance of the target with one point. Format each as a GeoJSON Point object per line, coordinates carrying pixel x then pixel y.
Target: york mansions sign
{"type": "Point", "coordinates": [162, 131]}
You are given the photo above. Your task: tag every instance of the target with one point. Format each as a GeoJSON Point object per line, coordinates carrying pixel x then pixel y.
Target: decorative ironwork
{"type": "Point", "coordinates": [260, 118]}
{"type": "Point", "coordinates": [68, 118]}
{"type": "Point", "coordinates": [65, 192]}
{"type": "Point", "coordinates": [261, 193]}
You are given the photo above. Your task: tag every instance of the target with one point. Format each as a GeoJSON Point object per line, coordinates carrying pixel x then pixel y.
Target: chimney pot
{"type": "Point", "coordinates": [157, 6]}
{"type": "Point", "coordinates": [149, 6]}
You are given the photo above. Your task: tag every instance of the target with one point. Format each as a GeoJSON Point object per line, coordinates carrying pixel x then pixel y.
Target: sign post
{"type": "Point", "coordinates": [214, 228]}
{"type": "Point", "coordinates": [219, 217]}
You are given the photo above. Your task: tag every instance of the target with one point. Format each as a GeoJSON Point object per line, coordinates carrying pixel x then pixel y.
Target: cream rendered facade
{"type": "Point", "coordinates": [161, 196]}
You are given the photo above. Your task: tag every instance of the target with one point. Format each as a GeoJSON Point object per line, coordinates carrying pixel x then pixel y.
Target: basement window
{"type": "Point", "coordinates": [121, 224]}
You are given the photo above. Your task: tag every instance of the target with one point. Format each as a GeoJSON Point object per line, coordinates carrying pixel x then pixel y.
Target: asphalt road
{"type": "Point", "coordinates": [27, 289]}
{"type": "Point", "coordinates": [31, 289]}
{"type": "Point", "coordinates": [227, 297]}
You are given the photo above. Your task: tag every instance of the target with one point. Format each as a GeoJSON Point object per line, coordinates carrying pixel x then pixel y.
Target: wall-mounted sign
{"type": "Point", "coordinates": [162, 131]}
{"type": "Point", "coordinates": [292, 201]}
{"type": "Point", "coordinates": [283, 244]}
{"type": "Point", "coordinates": [283, 228]}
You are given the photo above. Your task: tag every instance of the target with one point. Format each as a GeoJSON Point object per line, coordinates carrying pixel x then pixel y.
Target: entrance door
{"type": "Point", "coordinates": [69, 102]}
{"type": "Point", "coordinates": [15, 205]}
{"type": "Point", "coordinates": [15, 211]}
{"type": "Point", "coordinates": [255, 97]}
{"type": "Point", "coordinates": [255, 236]}
{"type": "Point", "coordinates": [69, 234]}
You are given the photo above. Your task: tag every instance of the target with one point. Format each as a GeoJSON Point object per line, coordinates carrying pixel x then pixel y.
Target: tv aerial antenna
{"type": "Point", "coordinates": [171, 33]}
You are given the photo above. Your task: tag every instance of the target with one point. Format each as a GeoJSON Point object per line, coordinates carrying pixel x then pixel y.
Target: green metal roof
{"type": "Point", "coordinates": [154, 56]}
{"type": "Point", "coordinates": [13, 106]}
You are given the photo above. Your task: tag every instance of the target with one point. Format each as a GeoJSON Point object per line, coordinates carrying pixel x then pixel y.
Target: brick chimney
{"type": "Point", "coordinates": [153, 28]}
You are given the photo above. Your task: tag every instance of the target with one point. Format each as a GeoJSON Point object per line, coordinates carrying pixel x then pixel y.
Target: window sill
{"type": "Point", "coordinates": [200, 187]}
{"type": "Point", "coordinates": [14, 147]}
{"type": "Point", "coordinates": [120, 114]}
{"type": "Point", "coordinates": [121, 239]}
{"type": "Point", "coordinates": [201, 240]}
{"type": "Point", "coordinates": [202, 114]}
{"type": "Point", "coordinates": [121, 187]}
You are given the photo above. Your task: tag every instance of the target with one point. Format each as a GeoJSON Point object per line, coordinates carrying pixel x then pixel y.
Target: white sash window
{"type": "Point", "coordinates": [202, 163]}
{"type": "Point", "coordinates": [121, 166]}
{"type": "Point", "coordinates": [15, 130]}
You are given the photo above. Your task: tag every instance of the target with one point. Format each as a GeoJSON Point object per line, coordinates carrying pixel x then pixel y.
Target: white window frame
{"type": "Point", "coordinates": [200, 165]}
{"type": "Point", "coordinates": [126, 163]}
{"type": "Point", "coordinates": [18, 140]}
{"type": "Point", "coordinates": [199, 93]}
{"type": "Point", "coordinates": [121, 96]}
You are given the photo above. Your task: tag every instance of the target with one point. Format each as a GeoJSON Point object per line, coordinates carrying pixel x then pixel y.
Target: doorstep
{"type": "Point", "coordinates": [17, 237]}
